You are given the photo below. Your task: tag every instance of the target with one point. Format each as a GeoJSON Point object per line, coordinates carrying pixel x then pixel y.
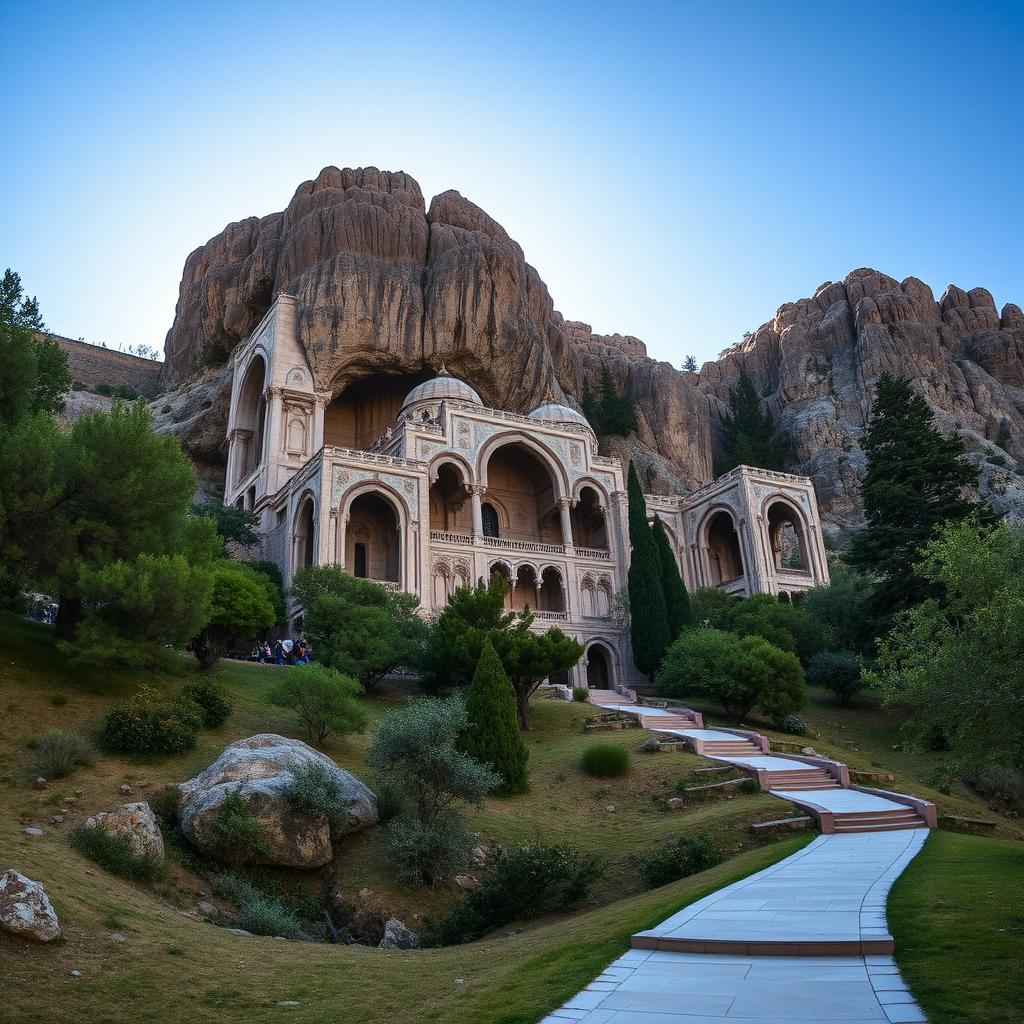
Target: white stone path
{"type": "Point", "coordinates": [832, 891]}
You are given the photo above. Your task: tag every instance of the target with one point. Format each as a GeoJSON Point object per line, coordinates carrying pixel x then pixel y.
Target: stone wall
{"type": "Point", "coordinates": [93, 365]}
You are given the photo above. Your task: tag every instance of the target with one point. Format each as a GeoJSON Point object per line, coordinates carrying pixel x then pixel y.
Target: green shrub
{"type": "Point", "coordinates": [58, 700]}
{"type": "Point", "coordinates": [390, 803]}
{"type": "Point", "coordinates": [259, 912]}
{"type": "Point", "coordinates": [421, 852]}
{"type": "Point", "coordinates": [683, 857]}
{"type": "Point", "coordinates": [325, 700]}
{"type": "Point", "coordinates": [651, 745]}
{"type": "Point", "coordinates": [793, 724]}
{"type": "Point", "coordinates": [165, 409]}
{"type": "Point", "coordinates": [60, 753]}
{"type": "Point", "coordinates": [233, 832]}
{"type": "Point", "coordinates": [838, 671]}
{"type": "Point", "coordinates": [151, 726]}
{"type": "Point", "coordinates": [104, 389]}
{"type": "Point", "coordinates": [212, 698]}
{"type": "Point", "coordinates": [523, 883]}
{"type": "Point", "coordinates": [114, 853]}
{"type": "Point", "coordinates": [581, 695]}
{"type": "Point", "coordinates": [605, 760]}
{"type": "Point", "coordinates": [313, 789]}
{"type": "Point", "coordinates": [125, 391]}
{"type": "Point", "coordinates": [1001, 786]}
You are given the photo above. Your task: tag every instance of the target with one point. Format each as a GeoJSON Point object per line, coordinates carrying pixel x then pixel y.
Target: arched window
{"type": "Point", "coordinates": [489, 514]}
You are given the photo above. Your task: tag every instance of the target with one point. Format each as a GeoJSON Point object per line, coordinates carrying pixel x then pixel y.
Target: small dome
{"type": "Point", "coordinates": [553, 412]}
{"type": "Point", "coordinates": [442, 388]}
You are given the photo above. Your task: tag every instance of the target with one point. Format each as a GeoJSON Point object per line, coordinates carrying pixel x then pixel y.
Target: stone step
{"type": "Point", "coordinates": [893, 827]}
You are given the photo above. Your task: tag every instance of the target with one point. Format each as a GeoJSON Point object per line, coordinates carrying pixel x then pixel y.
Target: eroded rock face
{"type": "Point", "coordinates": [25, 909]}
{"type": "Point", "coordinates": [257, 769]}
{"type": "Point", "coordinates": [137, 823]}
{"type": "Point", "coordinates": [385, 285]}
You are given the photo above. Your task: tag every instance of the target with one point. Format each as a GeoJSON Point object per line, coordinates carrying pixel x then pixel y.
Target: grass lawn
{"type": "Point", "coordinates": [957, 915]}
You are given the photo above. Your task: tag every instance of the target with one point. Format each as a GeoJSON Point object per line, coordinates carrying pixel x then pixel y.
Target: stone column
{"type": "Point", "coordinates": [564, 504]}
{"type": "Point", "coordinates": [475, 491]}
{"type": "Point", "coordinates": [340, 549]}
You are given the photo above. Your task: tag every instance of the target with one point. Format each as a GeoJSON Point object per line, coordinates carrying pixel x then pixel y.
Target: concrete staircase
{"type": "Point", "coordinates": [738, 747]}
{"type": "Point", "coordinates": [796, 780]}
{"type": "Point", "coordinates": [877, 821]}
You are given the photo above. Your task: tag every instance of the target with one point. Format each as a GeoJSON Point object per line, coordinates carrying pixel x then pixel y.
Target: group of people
{"type": "Point", "coordinates": [283, 652]}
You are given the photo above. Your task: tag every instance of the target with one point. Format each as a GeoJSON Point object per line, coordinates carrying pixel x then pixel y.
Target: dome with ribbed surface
{"type": "Point", "coordinates": [553, 412]}
{"type": "Point", "coordinates": [442, 388]}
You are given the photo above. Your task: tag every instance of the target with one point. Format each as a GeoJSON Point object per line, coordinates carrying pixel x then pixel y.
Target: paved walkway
{"type": "Point", "coordinates": [802, 942]}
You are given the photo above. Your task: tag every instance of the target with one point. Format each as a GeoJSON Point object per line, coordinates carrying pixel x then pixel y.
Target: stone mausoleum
{"type": "Point", "coordinates": [420, 487]}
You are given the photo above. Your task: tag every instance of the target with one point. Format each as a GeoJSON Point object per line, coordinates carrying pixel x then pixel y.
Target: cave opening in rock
{"type": "Point", "coordinates": [367, 407]}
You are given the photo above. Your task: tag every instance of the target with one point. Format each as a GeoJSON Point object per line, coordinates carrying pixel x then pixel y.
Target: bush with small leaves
{"type": "Point", "coordinates": [605, 760]}
{"type": "Point", "coordinates": [212, 698]}
{"type": "Point", "coordinates": [838, 671]}
{"type": "Point", "coordinates": [325, 700]}
{"type": "Point", "coordinates": [650, 746]}
{"type": "Point", "coordinates": [522, 883]}
{"type": "Point", "coordinates": [259, 912]}
{"type": "Point", "coordinates": [792, 724]}
{"type": "Point", "coordinates": [60, 753]}
{"type": "Point", "coordinates": [114, 853]}
{"type": "Point", "coordinates": [149, 725]}
{"type": "Point", "coordinates": [683, 857]}
{"type": "Point", "coordinates": [420, 852]}
{"type": "Point", "coordinates": [581, 694]}
{"type": "Point", "coordinates": [233, 832]}
{"type": "Point", "coordinates": [313, 790]}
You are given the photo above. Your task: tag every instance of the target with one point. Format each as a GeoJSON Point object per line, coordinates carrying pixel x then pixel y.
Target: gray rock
{"type": "Point", "coordinates": [397, 936]}
{"type": "Point", "coordinates": [75, 974]}
{"type": "Point", "coordinates": [118, 937]}
{"type": "Point", "coordinates": [25, 909]}
{"type": "Point", "coordinates": [40, 783]}
{"type": "Point", "coordinates": [240, 931]}
{"type": "Point", "coordinates": [138, 824]}
{"type": "Point", "coordinates": [32, 831]}
{"type": "Point", "coordinates": [257, 769]}
{"type": "Point", "coordinates": [207, 909]}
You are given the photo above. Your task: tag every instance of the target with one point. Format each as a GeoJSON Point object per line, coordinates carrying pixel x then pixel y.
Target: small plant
{"type": "Point", "coordinates": [325, 700]}
{"type": "Point", "coordinates": [421, 852]}
{"type": "Point", "coordinates": [114, 853]}
{"type": "Point", "coordinates": [581, 695]}
{"type": "Point", "coordinates": [212, 698]}
{"type": "Point", "coordinates": [165, 409]}
{"type": "Point", "coordinates": [838, 671]}
{"type": "Point", "coordinates": [314, 790]}
{"type": "Point", "coordinates": [650, 746]}
{"type": "Point", "coordinates": [104, 389]}
{"type": "Point", "coordinates": [683, 857]}
{"type": "Point", "coordinates": [258, 912]}
{"type": "Point", "coordinates": [605, 760]}
{"type": "Point", "coordinates": [792, 724]}
{"type": "Point", "coordinates": [149, 725]}
{"type": "Point", "coordinates": [60, 753]}
{"type": "Point", "coordinates": [390, 803]}
{"type": "Point", "coordinates": [58, 700]}
{"type": "Point", "coordinates": [523, 883]}
{"type": "Point", "coordinates": [234, 833]}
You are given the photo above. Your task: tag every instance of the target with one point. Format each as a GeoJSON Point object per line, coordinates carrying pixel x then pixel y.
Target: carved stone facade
{"type": "Point", "coordinates": [451, 492]}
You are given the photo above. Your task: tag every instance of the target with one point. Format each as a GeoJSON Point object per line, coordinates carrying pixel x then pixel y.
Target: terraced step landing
{"type": "Point", "coordinates": [878, 821]}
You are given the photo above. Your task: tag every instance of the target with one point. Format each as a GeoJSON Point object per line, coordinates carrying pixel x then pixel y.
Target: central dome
{"type": "Point", "coordinates": [555, 413]}
{"type": "Point", "coordinates": [442, 388]}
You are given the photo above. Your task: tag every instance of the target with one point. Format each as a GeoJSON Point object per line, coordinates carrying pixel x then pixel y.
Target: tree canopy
{"type": "Point", "coordinates": [915, 482]}
{"type": "Point", "coordinates": [241, 605]}
{"type": "Point", "coordinates": [751, 438]}
{"type": "Point", "coordinates": [648, 611]}
{"type": "Point", "coordinates": [611, 411]}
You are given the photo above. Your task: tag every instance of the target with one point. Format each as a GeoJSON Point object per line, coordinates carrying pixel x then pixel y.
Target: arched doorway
{"type": "Point", "coordinates": [787, 537]}
{"type": "Point", "coordinates": [373, 548]}
{"type": "Point", "coordinates": [526, 592]}
{"type": "Point", "coordinates": [599, 667]}
{"type": "Point", "coordinates": [588, 523]}
{"type": "Point", "coordinates": [725, 561]}
{"type": "Point", "coordinates": [551, 597]}
{"type": "Point", "coordinates": [250, 418]}
{"type": "Point", "coordinates": [449, 509]}
{"type": "Point", "coordinates": [304, 534]}
{"type": "Point", "coordinates": [519, 481]}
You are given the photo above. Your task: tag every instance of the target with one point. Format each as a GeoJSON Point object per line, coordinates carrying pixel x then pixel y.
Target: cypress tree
{"type": "Point", "coordinates": [750, 435]}
{"type": "Point", "coordinates": [649, 629]}
{"type": "Point", "coordinates": [492, 735]}
{"type": "Point", "coordinates": [914, 483]}
{"type": "Point", "coordinates": [677, 600]}
{"type": "Point", "coordinates": [590, 408]}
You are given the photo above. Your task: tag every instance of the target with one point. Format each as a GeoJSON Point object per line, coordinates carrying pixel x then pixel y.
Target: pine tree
{"type": "Point", "coordinates": [914, 483]}
{"type": "Point", "coordinates": [588, 403]}
{"type": "Point", "coordinates": [649, 629]}
{"type": "Point", "coordinates": [750, 435]}
{"type": "Point", "coordinates": [492, 735]}
{"type": "Point", "coordinates": [616, 411]}
{"type": "Point", "coordinates": [690, 364]}
{"type": "Point", "coordinates": [677, 600]}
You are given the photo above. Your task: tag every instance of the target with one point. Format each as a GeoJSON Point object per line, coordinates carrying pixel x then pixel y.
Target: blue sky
{"type": "Point", "coordinates": [674, 171]}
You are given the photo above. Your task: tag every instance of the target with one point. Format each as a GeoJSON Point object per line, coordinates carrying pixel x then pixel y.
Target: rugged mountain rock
{"type": "Point", "coordinates": [386, 285]}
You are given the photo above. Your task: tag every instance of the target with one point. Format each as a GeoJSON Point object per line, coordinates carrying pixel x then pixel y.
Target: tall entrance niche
{"type": "Point", "coordinates": [788, 538]}
{"type": "Point", "coordinates": [450, 509]}
{"type": "Point", "coordinates": [521, 489]}
{"type": "Point", "coordinates": [725, 561]}
{"type": "Point", "coordinates": [373, 548]}
{"type": "Point", "coordinates": [251, 418]}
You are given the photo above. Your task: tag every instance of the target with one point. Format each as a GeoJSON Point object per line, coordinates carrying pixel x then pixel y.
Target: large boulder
{"type": "Point", "coordinates": [257, 769]}
{"type": "Point", "coordinates": [25, 909]}
{"type": "Point", "coordinates": [137, 823]}
{"type": "Point", "coordinates": [398, 936]}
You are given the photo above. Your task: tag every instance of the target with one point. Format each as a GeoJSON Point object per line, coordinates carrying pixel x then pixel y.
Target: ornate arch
{"type": "Point", "coordinates": [547, 456]}
{"type": "Point", "coordinates": [460, 462]}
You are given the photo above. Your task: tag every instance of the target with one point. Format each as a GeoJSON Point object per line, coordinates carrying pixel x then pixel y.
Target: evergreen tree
{"type": "Point", "coordinates": [616, 410]}
{"type": "Point", "coordinates": [690, 365]}
{"type": "Point", "coordinates": [492, 735]}
{"type": "Point", "coordinates": [649, 629]}
{"type": "Point", "coordinates": [750, 435]}
{"type": "Point", "coordinates": [588, 403]}
{"type": "Point", "coordinates": [914, 483]}
{"type": "Point", "coordinates": [677, 600]}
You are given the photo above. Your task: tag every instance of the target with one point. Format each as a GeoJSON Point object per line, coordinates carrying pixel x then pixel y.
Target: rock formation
{"type": "Point", "coordinates": [25, 909]}
{"type": "Point", "coordinates": [135, 822]}
{"type": "Point", "coordinates": [257, 769]}
{"type": "Point", "coordinates": [386, 285]}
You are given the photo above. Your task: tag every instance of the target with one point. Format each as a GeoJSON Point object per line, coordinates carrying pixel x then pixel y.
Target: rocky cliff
{"type": "Point", "coordinates": [387, 285]}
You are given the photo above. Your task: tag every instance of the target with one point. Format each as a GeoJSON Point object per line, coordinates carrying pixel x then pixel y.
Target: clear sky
{"type": "Point", "coordinates": [674, 171]}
